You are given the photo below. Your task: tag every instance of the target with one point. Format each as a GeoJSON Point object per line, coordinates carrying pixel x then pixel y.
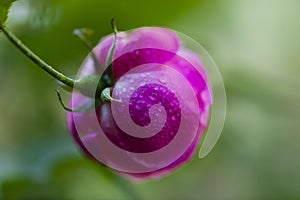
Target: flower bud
{"type": "Point", "coordinates": [163, 106]}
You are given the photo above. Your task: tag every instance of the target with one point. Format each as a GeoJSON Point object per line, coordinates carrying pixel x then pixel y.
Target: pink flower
{"type": "Point", "coordinates": [163, 108]}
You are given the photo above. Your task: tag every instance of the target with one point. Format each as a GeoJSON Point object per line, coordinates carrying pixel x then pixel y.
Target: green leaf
{"type": "Point", "coordinates": [4, 9]}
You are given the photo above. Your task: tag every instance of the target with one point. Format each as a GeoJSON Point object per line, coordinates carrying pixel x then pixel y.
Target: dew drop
{"type": "Point", "coordinates": [152, 98]}
{"type": "Point", "coordinates": [131, 88]}
{"type": "Point", "coordinates": [173, 118]}
{"type": "Point", "coordinates": [162, 79]}
{"type": "Point", "coordinates": [138, 107]}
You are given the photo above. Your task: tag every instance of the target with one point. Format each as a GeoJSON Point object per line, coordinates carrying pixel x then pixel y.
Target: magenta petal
{"type": "Point", "coordinates": [148, 37]}
{"type": "Point", "coordinates": [154, 48]}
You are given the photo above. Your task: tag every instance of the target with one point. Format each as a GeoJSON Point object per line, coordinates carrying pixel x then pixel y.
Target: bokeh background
{"type": "Point", "coordinates": [255, 44]}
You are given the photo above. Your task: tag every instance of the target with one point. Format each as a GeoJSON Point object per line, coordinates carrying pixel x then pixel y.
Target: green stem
{"type": "Point", "coordinates": [112, 49]}
{"type": "Point", "coordinates": [37, 60]}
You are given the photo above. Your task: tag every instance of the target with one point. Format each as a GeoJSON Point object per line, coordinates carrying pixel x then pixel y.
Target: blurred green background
{"type": "Point", "coordinates": [255, 44]}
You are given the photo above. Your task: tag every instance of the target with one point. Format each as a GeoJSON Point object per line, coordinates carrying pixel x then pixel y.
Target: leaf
{"type": "Point", "coordinates": [4, 9]}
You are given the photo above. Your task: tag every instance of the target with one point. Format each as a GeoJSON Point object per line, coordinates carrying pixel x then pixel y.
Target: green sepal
{"type": "Point", "coordinates": [91, 85]}
{"type": "Point", "coordinates": [106, 95]}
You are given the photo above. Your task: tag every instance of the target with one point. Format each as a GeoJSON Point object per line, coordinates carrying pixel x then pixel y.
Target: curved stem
{"type": "Point", "coordinates": [112, 49]}
{"type": "Point", "coordinates": [37, 60]}
{"type": "Point", "coordinates": [92, 104]}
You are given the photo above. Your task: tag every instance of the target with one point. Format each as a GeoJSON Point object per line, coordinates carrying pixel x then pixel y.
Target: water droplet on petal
{"type": "Point", "coordinates": [138, 107]}
{"type": "Point", "coordinates": [173, 118]}
{"type": "Point", "coordinates": [152, 98]}
{"type": "Point", "coordinates": [162, 79]}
